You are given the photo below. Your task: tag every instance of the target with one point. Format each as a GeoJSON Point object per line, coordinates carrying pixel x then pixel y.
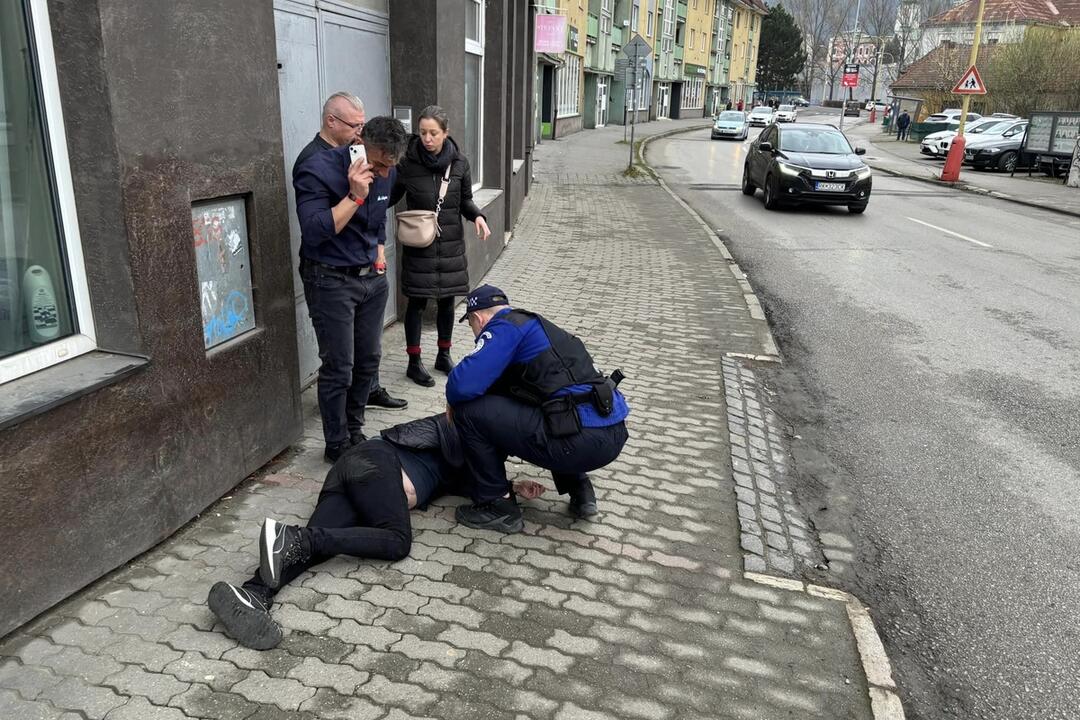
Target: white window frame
{"type": "Point", "coordinates": [667, 36]}
{"type": "Point", "coordinates": [85, 338]}
{"type": "Point", "coordinates": [474, 47]}
{"type": "Point", "coordinates": [635, 10]}
{"type": "Point", "coordinates": [605, 17]}
{"type": "Point", "coordinates": [693, 38]}
{"type": "Point", "coordinates": [569, 87]}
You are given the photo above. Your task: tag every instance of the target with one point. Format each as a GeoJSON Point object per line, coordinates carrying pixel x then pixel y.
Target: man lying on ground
{"type": "Point", "coordinates": [362, 510]}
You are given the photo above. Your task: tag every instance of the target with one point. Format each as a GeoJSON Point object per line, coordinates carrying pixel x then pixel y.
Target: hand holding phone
{"type": "Point", "coordinates": [357, 152]}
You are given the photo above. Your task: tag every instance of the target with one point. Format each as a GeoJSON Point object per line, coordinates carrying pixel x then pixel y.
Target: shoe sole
{"type": "Point", "coordinates": [250, 627]}
{"type": "Point", "coordinates": [503, 524]}
{"type": "Point", "coordinates": [384, 407]}
{"type": "Point", "coordinates": [269, 563]}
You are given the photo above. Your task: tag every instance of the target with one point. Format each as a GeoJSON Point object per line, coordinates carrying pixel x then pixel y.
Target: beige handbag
{"type": "Point", "coordinates": [419, 228]}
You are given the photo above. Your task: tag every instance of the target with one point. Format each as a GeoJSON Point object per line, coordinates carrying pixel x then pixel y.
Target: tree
{"type": "Point", "coordinates": [1038, 73]}
{"type": "Point", "coordinates": [820, 22]}
{"type": "Point", "coordinates": [780, 55]}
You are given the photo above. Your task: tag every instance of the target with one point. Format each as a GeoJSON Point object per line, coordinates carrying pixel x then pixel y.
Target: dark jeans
{"type": "Point", "coordinates": [347, 314]}
{"type": "Point", "coordinates": [493, 427]}
{"type": "Point", "coordinates": [901, 133]}
{"type": "Point", "coordinates": [362, 511]}
{"type": "Point", "coordinates": [444, 319]}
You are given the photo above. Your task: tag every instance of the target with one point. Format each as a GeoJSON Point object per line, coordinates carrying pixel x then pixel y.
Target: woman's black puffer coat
{"type": "Point", "coordinates": [440, 269]}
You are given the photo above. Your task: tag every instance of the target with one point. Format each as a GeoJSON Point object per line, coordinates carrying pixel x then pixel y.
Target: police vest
{"type": "Point", "coordinates": [566, 362]}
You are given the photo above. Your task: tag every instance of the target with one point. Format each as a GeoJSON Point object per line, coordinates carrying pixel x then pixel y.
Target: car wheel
{"type": "Point", "coordinates": [857, 209]}
{"type": "Point", "coordinates": [772, 192]}
{"type": "Point", "coordinates": [747, 185]}
{"type": "Point", "coordinates": [1007, 162]}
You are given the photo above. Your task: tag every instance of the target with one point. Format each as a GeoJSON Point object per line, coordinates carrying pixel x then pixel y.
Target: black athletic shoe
{"type": "Point", "coordinates": [502, 515]}
{"type": "Point", "coordinates": [583, 500]}
{"type": "Point", "coordinates": [332, 452]}
{"type": "Point", "coordinates": [381, 398]}
{"type": "Point", "coordinates": [244, 616]}
{"type": "Point", "coordinates": [280, 547]}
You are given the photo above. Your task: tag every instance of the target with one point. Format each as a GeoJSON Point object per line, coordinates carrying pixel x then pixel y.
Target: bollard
{"type": "Point", "coordinates": [955, 158]}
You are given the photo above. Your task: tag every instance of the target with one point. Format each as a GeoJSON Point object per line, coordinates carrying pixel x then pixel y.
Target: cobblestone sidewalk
{"type": "Point", "coordinates": [642, 613]}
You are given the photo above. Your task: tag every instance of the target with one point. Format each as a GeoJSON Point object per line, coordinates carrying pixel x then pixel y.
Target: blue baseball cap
{"type": "Point", "coordinates": [482, 298]}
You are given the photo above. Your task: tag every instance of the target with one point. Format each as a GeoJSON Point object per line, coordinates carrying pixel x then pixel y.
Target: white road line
{"type": "Point", "coordinates": [950, 232]}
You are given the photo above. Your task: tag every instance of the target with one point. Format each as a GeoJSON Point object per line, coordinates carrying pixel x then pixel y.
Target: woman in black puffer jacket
{"type": "Point", "coordinates": [440, 270]}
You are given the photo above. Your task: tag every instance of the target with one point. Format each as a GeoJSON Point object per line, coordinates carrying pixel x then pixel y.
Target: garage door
{"type": "Point", "coordinates": [344, 48]}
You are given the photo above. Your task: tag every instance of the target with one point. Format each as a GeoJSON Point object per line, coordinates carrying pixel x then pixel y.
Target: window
{"type": "Point", "coordinates": [650, 21]}
{"type": "Point", "coordinates": [45, 315]}
{"type": "Point", "coordinates": [738, 18]}
{"type": "Point", "coordinates": [474, 88]}
{"type": "Point", "coordinates": [569, 86]}
{"type": "Point", "coordinates": [634, 18]}
{"type": "Point", "coordinates": [693, 37]}
{"type": "Point", "coordinates": [694, 93]}
{"type": "Point", "coordinates": [605, 17]}
{"type": "Point", "coordinates": [667, 37]}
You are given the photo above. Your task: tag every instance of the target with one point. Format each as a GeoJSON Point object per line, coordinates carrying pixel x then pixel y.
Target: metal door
{"type": "Point", "coordinates": [324, 47]}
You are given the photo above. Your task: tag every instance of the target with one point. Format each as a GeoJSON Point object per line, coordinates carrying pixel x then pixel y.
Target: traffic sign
{"type": "Point", "coordinates": [851, 76]}
{"type": "Point", "coordinates": [970, 84]}
{"type": "Point", "coordinates": [637, 47]}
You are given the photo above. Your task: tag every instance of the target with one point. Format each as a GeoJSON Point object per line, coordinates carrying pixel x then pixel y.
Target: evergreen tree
{"type": "Point", "coordinates": [782, 53]}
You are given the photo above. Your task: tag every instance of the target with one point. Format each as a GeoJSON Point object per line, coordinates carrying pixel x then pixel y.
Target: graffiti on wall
{"type": "Point", "coordinates": [220, 241]}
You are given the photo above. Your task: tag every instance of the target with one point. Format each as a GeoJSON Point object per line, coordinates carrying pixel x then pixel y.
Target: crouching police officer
{"type": "Point", "coordinates": [529, 389]}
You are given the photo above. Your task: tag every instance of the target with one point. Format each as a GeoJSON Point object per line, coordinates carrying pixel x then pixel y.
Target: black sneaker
{"type": "Point", "coordinates": [502, 515]}
{"type": "Point", "coordinates": [583, 500]}
{"type": "Point", "coordinates": [244, 616]}
{"type": "Point", "coordinates": [280, 546]}
{"type": "Point", "coordinates": [332, 452]}
{"type": "Point", "coordinates": [381, 398]}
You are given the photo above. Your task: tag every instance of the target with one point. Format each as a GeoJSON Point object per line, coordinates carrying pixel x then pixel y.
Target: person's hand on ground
{"type": "Point", "coordinates": [529, 489]}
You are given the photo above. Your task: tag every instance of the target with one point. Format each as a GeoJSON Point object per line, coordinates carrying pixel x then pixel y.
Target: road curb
{"type": "Point", "coordinates": [884, 702]}
{"type": "Point", "coordinates": [753, 305]}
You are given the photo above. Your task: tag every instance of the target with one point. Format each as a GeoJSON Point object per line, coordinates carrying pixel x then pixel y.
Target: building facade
{"type": "Point", "coordinates": [603, 40]}
{"type": "Point", "coordinates": [696, 56]}
{"type": "Point", "coordinates": [560, 77]}
{"type": "Point", "coordinates": [152, 331]}
{"type": "Point", "coordinates": [746, 36]}
{"type": "Point", "coordinates": [717, 84]}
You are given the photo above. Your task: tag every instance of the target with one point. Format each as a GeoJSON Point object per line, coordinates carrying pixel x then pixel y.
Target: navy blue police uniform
{"type": "Point", "coordinates": [345, 296]}
{"type": "Point", "coordinates": [531, 390]}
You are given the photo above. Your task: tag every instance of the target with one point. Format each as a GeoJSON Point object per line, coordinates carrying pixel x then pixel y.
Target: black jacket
{"type": "Point", "coordinates": [440, 269]}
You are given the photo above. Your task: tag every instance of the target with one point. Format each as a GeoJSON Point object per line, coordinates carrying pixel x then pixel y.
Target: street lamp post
{"type": "Point", "coordinates": [955, 158]}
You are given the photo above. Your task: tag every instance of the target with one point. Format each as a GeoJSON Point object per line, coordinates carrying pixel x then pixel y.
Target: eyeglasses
{"type": "Point", "coordinates": [354, 126]}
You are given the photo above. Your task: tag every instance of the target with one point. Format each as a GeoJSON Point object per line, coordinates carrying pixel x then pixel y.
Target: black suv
{"type": "Point", "coordinates": [807, 163]}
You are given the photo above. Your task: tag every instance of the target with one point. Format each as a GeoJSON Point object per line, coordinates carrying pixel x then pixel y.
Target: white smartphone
{"type": "Point", "coordinates": [357, 152]}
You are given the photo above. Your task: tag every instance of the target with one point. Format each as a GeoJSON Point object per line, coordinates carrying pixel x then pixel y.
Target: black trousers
{"type": "Point", "coordinates": [444, 319]}
{"type": "Point", "coordinates": [347, 314]}
{"type": "Point", "coordinates": [494, 427]}
{"type": "Point", "coordinates": [362, 511]}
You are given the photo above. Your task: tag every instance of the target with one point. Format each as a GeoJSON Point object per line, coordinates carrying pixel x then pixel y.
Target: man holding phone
{"type": "Point", "coordinates": [343, 119]}
{"type": "Point", "coordinates": [341, 204]}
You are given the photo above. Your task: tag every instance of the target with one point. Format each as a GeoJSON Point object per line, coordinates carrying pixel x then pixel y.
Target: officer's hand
{"type": "Point", "coordinates": [360, 177]}
{"type": "Point", "coordinates": [529, 489]}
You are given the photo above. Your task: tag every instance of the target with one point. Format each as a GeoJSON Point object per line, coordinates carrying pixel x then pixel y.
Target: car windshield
{"type": "Point", "coordinates": [731, 116]}
{"type": "Point", "coordinates": [828, 142]}
{"type": "Point", "coordinates": [786, 107]}
{"type": "Point", "coordinates": [991, 128]}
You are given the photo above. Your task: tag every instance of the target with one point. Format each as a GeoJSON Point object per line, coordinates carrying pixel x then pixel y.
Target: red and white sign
{"type": "Point", "coordinates": [970, 84]}
{"type": "Point", "coordinates": [851, 76]}
{"type": "Point", "coordinates": [550, 34]}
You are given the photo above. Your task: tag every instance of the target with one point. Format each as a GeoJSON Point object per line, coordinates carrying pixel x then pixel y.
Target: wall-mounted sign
{"type": "Point", "coordinates": [572, 38]}
{"type": "Point", "coordinates": [550, 34]}
{"type": "Point", "coordinates": [224, 267]}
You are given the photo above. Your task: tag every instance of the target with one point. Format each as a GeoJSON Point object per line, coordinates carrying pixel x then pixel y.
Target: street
{"type": "Point", "coordinates": [930, 381]}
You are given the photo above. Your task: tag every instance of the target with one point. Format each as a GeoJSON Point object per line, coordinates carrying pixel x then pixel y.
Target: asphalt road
{"type": "Point", "coordinates": [932, 384]}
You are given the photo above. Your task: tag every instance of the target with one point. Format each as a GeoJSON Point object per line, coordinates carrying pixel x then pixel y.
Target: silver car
{"type": "Point", "coordinates": [730, 124]}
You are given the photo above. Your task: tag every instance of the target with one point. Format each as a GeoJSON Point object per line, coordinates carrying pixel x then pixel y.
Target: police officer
{"type": "Point", "coordinates": [529, 389]}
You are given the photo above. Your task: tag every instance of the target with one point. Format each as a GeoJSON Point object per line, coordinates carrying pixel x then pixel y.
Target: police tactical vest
{"type": "Point", "coordinates": [566, 362]}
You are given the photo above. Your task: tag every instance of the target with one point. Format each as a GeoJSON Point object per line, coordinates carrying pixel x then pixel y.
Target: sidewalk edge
{"type": "Point", "coordinates": [884, 702]}
{"type": "Point", "coordinates": [753, 305]}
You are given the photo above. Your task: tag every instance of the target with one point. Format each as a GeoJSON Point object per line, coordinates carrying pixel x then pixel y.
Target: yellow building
{"type": "Point", "coordinates": [746, 36]}
{"type": "Point", "coordinates": [696, 37]}
{"type": "Point", "coordinates": [570, 77]}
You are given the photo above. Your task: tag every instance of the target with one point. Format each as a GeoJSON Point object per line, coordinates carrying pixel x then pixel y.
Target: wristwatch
{"type": "Point", "coordinates": [358, 200]}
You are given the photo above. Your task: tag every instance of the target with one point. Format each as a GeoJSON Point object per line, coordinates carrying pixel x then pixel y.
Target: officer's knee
{"type": "Point", "coordinates": [399, 549]}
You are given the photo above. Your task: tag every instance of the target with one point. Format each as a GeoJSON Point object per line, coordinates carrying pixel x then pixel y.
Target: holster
{"type": "Point", "coordinates": [561, 417]}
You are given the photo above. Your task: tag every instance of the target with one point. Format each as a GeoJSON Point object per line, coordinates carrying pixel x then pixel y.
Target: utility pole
{"type": "Point", "coordinates": [955, 158]}
{"type": "Point", "coordinates": [850, 58]}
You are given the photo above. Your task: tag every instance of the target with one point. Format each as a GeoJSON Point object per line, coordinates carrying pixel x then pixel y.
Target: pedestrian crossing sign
{"type": "Point", "coordinates": [970, 84]}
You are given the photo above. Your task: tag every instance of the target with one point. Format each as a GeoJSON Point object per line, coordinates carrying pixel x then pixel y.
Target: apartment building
{"type": "Point", "coordinates": [746, 36]}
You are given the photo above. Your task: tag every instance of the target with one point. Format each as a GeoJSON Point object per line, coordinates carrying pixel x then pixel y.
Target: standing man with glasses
{"type": "Point", "coordinates": [343, 120]}
{"type": "Point", "coordinates": [341, 205]}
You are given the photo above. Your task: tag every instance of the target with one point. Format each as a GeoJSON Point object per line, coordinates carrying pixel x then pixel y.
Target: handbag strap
{"type": "Point", "coordinates": [442, 191]}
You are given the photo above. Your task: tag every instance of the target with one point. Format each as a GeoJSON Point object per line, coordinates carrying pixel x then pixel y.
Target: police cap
{"type": "Point", "coordinates": [482, 298]}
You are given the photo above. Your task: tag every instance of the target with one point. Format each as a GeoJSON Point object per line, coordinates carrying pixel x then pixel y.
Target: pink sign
{"type": "Point", "coordinates": [550, 34]}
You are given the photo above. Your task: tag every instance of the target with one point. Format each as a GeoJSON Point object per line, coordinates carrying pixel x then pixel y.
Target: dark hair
{"type": "Point", "coordinates": [386, 134]}
{"type": "Point", "coordinates": [436, 113]}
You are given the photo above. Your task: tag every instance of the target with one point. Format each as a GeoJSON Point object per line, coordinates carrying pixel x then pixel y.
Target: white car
{"type": "Point", "coordinates": [952, 114]}
{"type": "Point", "coordinates": [932, 143]}
{"type": "Point", "coordinates": [761, 115]}
{"type": "Point", "coordinates": [786, 113]}
{"type": "Point", "coordinates": [986, 127]}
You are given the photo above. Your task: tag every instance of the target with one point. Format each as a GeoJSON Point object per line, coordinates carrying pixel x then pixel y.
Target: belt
{"type": "Point", "coordinates": [353, 270]}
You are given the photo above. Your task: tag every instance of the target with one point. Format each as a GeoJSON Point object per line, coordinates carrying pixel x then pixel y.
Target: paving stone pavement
{"type": "Point", "coordinates": [643, 612]}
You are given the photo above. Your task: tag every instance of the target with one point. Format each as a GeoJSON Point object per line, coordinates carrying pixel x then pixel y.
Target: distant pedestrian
{"type": "Point", "coordinates": [438, 271]}
{"type": "Point", "coordinates": [902, 124]}
{"type": "Point", "coordinates": [740, 105]}
{"type": "Point", "coordinates": [728, 104]}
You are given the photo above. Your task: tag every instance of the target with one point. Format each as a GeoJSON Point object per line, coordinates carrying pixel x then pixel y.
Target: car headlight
{"type": "Point", "coordinates": [863, 172]}
{"type": "Point", "coordinates": [789, 169]}
{"type": "Point", "coordinates": [993, 150]}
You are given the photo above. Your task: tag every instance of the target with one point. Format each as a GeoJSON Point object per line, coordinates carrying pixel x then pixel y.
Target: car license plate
{"type": "Point", "coordinates": [830, 187]}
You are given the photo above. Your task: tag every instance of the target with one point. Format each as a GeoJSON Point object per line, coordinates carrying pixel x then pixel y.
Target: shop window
{"type": "Point", "coordinates": [474, 89]}
{"type": "Point", "coordinates": [569, 79]}
{"type": "Point", "coordinates": [45, 315]}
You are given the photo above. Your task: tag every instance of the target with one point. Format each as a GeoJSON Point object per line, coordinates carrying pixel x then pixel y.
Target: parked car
{"type": "Point", "coordinates": [998, 151]}
{"type": "Point", "coordinates": [807, 163]}
{"type": "Point", "coordinates": [937, 144]}
{"type": "Point", "coordinates": [852, 107]}
{"type": "Point", "coordinates": [730, 124]}
{"type": "Point", "coordinates": [761, 115]}
{"type": "Point", "coordinates": [878, 104]}
{"type": "Point", "coordinates": [800, 102]}
{"type": "Point", "coordinates": [980, 129]}
{"type": "Point", "coordinates": [950, 115]}
{"type": "Point", "coordinates": [786, 113]}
